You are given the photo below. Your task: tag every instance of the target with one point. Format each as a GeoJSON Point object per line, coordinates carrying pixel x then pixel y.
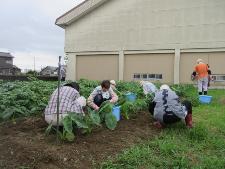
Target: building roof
{"type": "Point", "coordinates": [15, 67]}
{"type": "Point", "coordinates": [78, 11]}
{"type": "Point", "coordinates": [6, 54]}
{"type": "Point", "coordinates": [52, 68]}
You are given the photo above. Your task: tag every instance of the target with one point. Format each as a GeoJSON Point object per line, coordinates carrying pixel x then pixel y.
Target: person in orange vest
{"type": "Point", "coordinates": [201, 70]}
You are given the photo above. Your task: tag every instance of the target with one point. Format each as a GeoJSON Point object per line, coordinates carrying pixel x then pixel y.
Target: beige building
{"type": "Point", "coordinates": [144, 39]}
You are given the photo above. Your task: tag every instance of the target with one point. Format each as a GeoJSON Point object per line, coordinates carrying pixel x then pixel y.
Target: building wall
{"type": "Point", "coordinates": [6, 62]}
{"type": "Point", "coordinates": [97, 67]}
{"type": "Point", "coordinates": [149, 24]}
{"type": "Point", "coordinates": [149, 64]}
{"type": "Point", "coordinates": [146, 26]}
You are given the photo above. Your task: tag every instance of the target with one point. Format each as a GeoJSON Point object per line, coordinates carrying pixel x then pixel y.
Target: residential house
{"type": "Point", "coordinates": [6, 65]}
{"type": "Point", "coordinates": [52, 71]}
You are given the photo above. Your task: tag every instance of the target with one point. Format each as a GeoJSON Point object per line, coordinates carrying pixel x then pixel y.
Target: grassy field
{"type": "Point", "coordinates": [202, 147]}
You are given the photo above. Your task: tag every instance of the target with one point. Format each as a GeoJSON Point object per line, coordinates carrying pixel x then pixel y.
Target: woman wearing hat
{"type": "Point", "coordinates": [70, 101]}
{"type": "Point", "coordinates": [167, 109]}
{"type": "Point", "coordinates": [201, 70]}
{"type": "Point", "coordinates": [148, 87]}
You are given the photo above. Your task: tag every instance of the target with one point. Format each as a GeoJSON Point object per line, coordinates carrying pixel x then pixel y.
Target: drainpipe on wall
{"type": "Point", "coordinates": [177, 66]}
{"type": "Point", "coordinates": [121, 65]}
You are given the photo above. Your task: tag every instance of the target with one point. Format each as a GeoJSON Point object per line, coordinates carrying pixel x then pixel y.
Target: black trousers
{"type": "Point", "coordinates": [98, 99]}
{"type": "Point", "coordinates": [169, 117]}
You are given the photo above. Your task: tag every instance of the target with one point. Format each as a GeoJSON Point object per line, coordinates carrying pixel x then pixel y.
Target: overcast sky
{"type": "Point", "coordinates": [28, 31]}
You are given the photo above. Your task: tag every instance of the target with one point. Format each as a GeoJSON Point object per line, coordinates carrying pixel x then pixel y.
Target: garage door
{"type": "Point", "coordinates": [150, 67]}
{"type": "Point", "coordinates": [97, 67]}
{"type": "Point", "coordinates": [216, 60]}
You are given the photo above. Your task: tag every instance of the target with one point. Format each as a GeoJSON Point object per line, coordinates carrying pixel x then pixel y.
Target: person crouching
{"type": "Point", "coordinates": [101, 94]}
{"type": "Point", "coordinates": [166, 108]}
{"type": "Point", "coordinates": [70, 101]}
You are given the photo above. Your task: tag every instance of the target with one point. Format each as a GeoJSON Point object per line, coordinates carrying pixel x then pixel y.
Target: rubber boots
{"type": "Point", "coordinates": [188, 120]}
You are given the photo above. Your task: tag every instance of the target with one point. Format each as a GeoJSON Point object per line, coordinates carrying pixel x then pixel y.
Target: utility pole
{"type": "Point", "coordinates": [34, 63]}
{"type": "Point", "coordinates": [59, 80]}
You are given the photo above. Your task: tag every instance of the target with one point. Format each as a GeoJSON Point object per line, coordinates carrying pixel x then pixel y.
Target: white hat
{"type": "Point", "coordinates": [165, 86]}
{"type": "Point", "coordinates": [82, 101]}
{"type": "Point", "coordinates": [142, 83]}
{"type": "Point", "coordinates": [199, 60]}
{"type": "Point", "coordinates": [112, 82]}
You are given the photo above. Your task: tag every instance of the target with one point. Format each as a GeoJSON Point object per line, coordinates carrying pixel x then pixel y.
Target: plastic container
{"type": "Point", "coordinates": [131, 97]}
{"type": "Point", "coordinates": [205, 99]}
{"type": "Point", "coordinates": [116, 112]}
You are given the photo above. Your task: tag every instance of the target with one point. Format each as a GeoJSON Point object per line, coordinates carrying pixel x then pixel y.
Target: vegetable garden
{"type": "Point", "coordinates": [23, 99]}
{"type": "Point", "coordinates": [96, 136]}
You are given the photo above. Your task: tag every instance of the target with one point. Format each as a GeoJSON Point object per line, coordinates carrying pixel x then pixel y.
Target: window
{"type": "Point", "coordinates": [146, 76]}
{"type": "Point", "coordinates": [158, 76]}
{"type": "Point", "coordinates": [137, 76]}
{"type": "Point", "coordinates": [218, 78]}
{"type": "Point", "coordinates": [9, 62]}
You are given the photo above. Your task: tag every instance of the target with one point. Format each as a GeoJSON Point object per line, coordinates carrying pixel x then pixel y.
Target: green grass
{"type": "Point", "coordinates": [177, 147]}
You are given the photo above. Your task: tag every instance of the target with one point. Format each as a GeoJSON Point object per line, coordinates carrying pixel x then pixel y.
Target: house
{"type": "Point", "coordinates": [49, 71]}
{"type": "Point", "coordinates": [144, 40]}
{"type": "Point", "coordinates": [6, 65]}
{"type": "Point", "coordinates": [52, 71]}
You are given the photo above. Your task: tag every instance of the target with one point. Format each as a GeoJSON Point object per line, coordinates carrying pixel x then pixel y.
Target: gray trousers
{"type": "Point", "coordinates": [203, 84]}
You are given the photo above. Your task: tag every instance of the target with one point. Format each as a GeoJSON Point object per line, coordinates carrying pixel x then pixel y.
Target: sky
{"type": "Point", "coordinates": [29, 33]}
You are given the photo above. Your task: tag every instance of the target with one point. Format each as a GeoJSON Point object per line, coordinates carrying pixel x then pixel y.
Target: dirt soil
{"type": "Point", "coordinates": [24, 145]}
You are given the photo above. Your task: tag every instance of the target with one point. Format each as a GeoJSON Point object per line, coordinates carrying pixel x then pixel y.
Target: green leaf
{"type": "Point", "coordinates": [110, 121]}
{"type": "Point", "coordinates": [7, 114]}
{"type": "Point", "coordinates": [48, 130]}
{"type": "Point", "coordinates": [67, 124]}
{"type": "Point", "coordinates": [95, 118]}
{"type": "Point", "coordinates": [79, 120]}
{"type": "Point", "coordinates": [69, 136]}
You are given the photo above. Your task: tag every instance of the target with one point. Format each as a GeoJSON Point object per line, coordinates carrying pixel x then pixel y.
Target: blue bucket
{"type": "Point", "coordinates": [205, 99]}
{"type": "Point", "coordinates": [131, 97]}
{"type": "Point", "coordinates": [116, 112]}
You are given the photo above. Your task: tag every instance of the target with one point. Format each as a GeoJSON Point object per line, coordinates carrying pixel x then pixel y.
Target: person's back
{"type": "Point", "coordinates": [167, 101]}
{"type": "Point", "coordinates": [69, 102]}
{"type": "Point", "coordinates": [67, 96]}
{"type": "Point", "coordinates": [202, 74]}
{"type": "Point", "coordinates": [148, 87]}
{"type": "Point", "coordinates": [202, 70]}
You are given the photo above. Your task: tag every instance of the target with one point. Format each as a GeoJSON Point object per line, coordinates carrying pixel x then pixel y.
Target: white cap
{"type": "Point", "coordinates": [199, 60]}
{"type": "Point", "coordinates": [165, 86]}
{"type": "Point", "coordinates": [82, 101]}
{"type": "Point", "coordinates": [142, 83]}
{"type": "Point", "coordinates": [112, 82]}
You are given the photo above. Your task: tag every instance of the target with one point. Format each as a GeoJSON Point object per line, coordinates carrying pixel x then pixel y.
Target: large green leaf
{"type": "Point", "coordinates": [110, 121]}
{"type": "Point", "coordinates": [67, 124]}
{"type": "Point", "coordinates": [69, 136]}
{"type": "Point", "coordinates": [79, 120]}
{"type": "Point", "coordinates": [95, 118]}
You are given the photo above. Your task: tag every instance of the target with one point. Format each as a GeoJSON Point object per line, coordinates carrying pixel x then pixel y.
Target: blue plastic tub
{"type": "Point", "coordinates": [205, 99]}
{"type": "Point", "coordinates": [131, 97]}
{"type": "Point", "coordinates": [116, 112]}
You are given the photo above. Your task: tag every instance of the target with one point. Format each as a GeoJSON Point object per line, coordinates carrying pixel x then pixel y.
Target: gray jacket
{"type": "Point", "coordinates": [167, 100]}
